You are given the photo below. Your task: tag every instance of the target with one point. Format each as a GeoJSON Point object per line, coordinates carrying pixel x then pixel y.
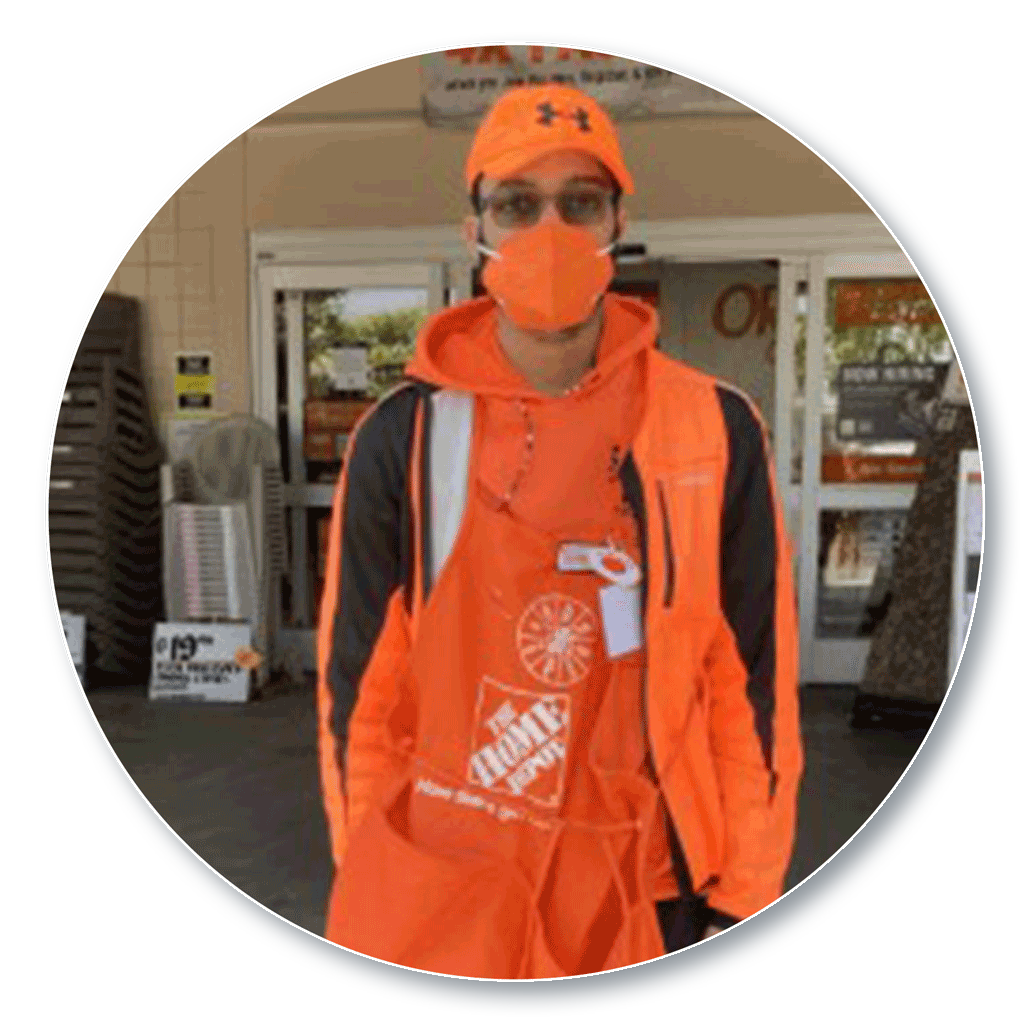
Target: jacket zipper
{"type": "Point", "coordinates": [670, 562]}
{"type": "Point", "coordinates": [635, 498]}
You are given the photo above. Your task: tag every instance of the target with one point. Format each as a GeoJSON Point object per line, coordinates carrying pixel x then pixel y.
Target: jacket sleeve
{"type": "Point", "coordinates": [362, 618]}
{"type": "Point", "coordinates": [753, 676]}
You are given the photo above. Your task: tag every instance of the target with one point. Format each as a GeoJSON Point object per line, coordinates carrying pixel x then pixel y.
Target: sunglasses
{"type": "Point", "coordinates": [519, 206]}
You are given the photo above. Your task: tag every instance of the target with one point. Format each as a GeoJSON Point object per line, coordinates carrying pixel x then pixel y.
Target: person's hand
{"type": "Point", "coordinates": [712, 929]}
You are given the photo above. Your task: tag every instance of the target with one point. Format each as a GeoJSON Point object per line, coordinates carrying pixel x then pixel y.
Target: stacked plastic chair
{"type": "Point", "coordinates": [104, 509]}
{"type": "Point", "coordinates": [224, 531]}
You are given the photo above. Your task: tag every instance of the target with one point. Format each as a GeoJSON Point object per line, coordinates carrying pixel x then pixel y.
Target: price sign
{"type": "Point", "coordinates": [202, 662]}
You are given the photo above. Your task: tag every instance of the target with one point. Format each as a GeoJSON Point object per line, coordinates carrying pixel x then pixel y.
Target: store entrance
{"type": "Point", "coordinates": [332, 338]}
{"type": "Point", "coordinates": [769, 326]}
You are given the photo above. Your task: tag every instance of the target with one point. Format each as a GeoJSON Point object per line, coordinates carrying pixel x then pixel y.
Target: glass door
{"type": "Point", "coordinates": [334, 339]}
{"type": "Point", "coordinates": [875, 356]}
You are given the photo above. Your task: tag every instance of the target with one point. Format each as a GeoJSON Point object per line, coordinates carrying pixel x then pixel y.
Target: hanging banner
{"type": "Point", "coordinates": [459, 85]}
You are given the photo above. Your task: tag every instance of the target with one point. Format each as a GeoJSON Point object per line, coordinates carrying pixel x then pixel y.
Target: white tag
{"type": "Point", "coordinates": [615, 566]}
{"type": "Point", "coordinates": [620, 619]}
{"type": "Point", "coordinates": [575, 557]}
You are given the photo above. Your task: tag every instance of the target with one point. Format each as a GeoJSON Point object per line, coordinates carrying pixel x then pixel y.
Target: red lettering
{"type": "Point", "coordinates": [536, 54]}
{"type": "Point", "coordinates": [749, 292]}
{"type": "Point", "coordinates": [766, 320]}
{"type": "Point", "coordinates": [499, 53]}
{"type": "Point", "coordinates": [564, 53]}
{"type": "Point", "coordinates": [465, 54]}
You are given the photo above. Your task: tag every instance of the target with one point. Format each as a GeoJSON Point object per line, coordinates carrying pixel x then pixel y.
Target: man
{"type": "Point", "coordinates": [557, 647]}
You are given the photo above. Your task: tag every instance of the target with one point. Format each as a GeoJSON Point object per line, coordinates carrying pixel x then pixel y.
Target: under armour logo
{"type": "Point", "coordinates": [548, 114]}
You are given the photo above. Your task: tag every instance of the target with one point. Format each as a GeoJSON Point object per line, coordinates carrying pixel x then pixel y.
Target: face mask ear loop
{"type": "Point", "coordinates": [484, 251]}
{"type": "Point", "coordinates": [481, 249]}
{"type": "Point", "coordinates": [613, 247]}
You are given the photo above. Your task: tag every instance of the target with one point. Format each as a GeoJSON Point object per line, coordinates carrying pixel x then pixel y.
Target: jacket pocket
{"type": "Point", "coordinates": [668, 546]}
{"type": "Point", "coordinates": [690, 508]}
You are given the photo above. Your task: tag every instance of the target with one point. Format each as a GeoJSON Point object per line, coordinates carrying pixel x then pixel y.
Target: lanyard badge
{"type": "Point", "coordinates": [620, 600]}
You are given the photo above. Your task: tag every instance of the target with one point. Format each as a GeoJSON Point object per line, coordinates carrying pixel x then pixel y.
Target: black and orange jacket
{"type": "Point", "coordinates": [719, 611]}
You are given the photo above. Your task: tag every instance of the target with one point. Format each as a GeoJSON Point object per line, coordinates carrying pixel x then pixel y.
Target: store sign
{"type": "Point", "coordinates": [459, 85]}
{"type": "Point", "coordinates": [742, 307]}
{"type": "Point", "coordinates": [350, 370]}
{"type": "Point", "coordinates": [854, 468]}
{"type": "Point", "coordinates": [194, 383]}
{"type": "Point", "coordinates": [198, 661]}
{"type": "Point", "coordinates": [887, 401]}
{"type": "Point", "coordinates": [876, 303]}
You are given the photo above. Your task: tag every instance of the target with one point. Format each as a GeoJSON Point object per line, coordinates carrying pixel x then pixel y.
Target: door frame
{"type": "Point", "coordinates": [299, 494]}
{"type": "Point", "coordinates": [833, 661]}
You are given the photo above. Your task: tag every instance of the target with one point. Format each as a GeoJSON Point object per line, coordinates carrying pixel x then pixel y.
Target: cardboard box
{"type": "Point", "coordinates": [199, 661]}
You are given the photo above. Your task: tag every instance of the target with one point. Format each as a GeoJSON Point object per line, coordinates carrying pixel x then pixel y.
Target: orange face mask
{"type": "Point", "coordinates": [548, 277]}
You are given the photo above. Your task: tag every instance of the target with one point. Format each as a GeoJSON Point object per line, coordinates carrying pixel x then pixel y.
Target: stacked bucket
{"type": "Point", "coordinates": [104, 508]}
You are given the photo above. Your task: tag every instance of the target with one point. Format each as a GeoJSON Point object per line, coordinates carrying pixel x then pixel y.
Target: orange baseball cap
{"type": "Point", "coordinates": [528, 122]}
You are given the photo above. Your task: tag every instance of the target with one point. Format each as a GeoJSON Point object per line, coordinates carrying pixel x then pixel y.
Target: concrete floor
{"type": "Point", "coordinates": [239, 784]}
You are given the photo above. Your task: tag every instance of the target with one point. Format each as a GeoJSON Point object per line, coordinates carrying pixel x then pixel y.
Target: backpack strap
{"type": "Point", "coordinates": [450, 429]}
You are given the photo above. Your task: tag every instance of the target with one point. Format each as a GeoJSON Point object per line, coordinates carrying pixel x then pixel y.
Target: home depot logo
{"type": "Point", "coordinates": [519, 741]}
{"type": "Point", "coordinates": [556, 638]}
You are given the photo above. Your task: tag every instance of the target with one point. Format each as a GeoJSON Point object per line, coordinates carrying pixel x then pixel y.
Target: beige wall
{"type": "Point", "coordinates": [355, 155]}
{"type": "Point", "coordinates": [189, 269]}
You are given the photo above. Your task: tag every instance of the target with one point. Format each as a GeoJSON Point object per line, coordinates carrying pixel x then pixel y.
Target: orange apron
{"type": "Point", "coordinates": [523, 836]}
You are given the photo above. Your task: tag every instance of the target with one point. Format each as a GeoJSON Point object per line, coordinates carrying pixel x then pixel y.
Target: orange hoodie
{"type": "Point", "coordinates": [569, 478]}
{"type": "Point", "coordinates": [552, 463]}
